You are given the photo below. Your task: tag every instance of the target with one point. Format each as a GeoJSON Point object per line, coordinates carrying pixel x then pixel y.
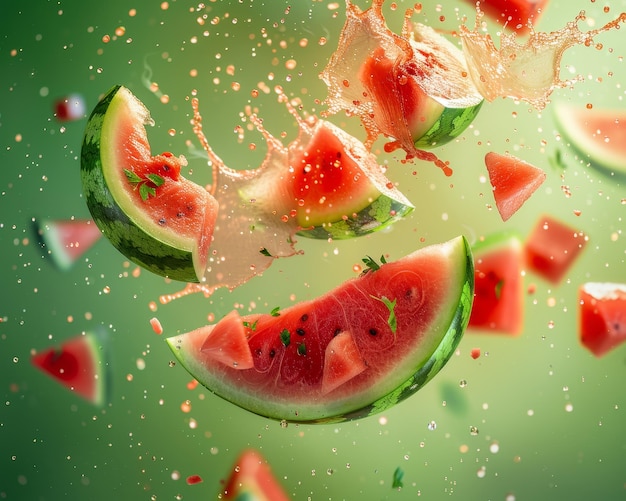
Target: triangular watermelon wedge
{"type": "Point", "coordinates": [67, 240]}
{"type": "Point", "coordinates": [79, 364]}
{"type": "Point", "coordinates": [513, 181]}
{"type": "Point", "coordinates": [252, 480]}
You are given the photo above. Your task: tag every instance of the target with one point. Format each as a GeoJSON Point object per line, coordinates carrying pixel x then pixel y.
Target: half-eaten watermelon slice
{"type": "Point", "coordinates": [143, 205]}
{"type": "Point", "coordinates": [252, 480]}
{"type": "Point", "coordinates": [67, 240]}
{"type": "Point", "coordinates": [599, 134]}
{"type": "Point", "coordinates": [355, 351]}
{"type": "Point", "coordinates": [602, 316]}
{"type": "Point", "coordinates": [498, 285]}
{"type": "Point", "coordinates": [80, 364]}
{"type": "Point", "coordinates": [513, 181]}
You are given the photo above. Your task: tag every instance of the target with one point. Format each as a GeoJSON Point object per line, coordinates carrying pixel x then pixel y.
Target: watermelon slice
{"type": "Point", "coordinates": [513, 181]}
{"type": "Point", "coordinates": [143, 205]}
{"type": "Point", "coordinates": [498, 285]}
{"type": "Point", "coordinates": [514, 15]}
{"type": "Point", "coordinates": [252, 480]}
{"type": "Point", "coordinates": [80, 364]}
{"type": "Point", "coordinates": [67, 239]}
{"type": "Point", "coordinates": [552, 247]}
{"type": "Point", "coordinates": [599, 134]}
{"type": "Point", "coordinates": [355, 351]}
{"type": "Point", "coordinates": [602, 316]}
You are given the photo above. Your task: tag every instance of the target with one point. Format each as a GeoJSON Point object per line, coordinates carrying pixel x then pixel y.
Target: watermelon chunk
{"type": "Point", "coordinates": [602, 316]}
{"type": "Point", "coordinates": [513, 181]}
{"type": "Point", "coordinates": [498, 285]}
{"type": "Point", "coordinates": [357, 350]}
{"type": "Point", "coordinates": [143, 205]}
{"type": "Point", "coordinates": [252, 480]}
{"type": "Point", "coordinates": [552, 247]}
{"type": "Point", "coordinates": [67, 239]}
{"type": "Point", "coordinates": [599, 134]}
{"type": "Point", "coordinates": [79, 364]}
{"type": "Point", "coordinates": [514, 15]}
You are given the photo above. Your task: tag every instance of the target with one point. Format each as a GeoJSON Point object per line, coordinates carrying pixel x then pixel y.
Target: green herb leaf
{"type": "Point", "coordinates": [156, 179]}
{"type": "Point", "coordinates": [371, 264]}
{"type": "Point", "coordinates": [251, 326]}
{"type": "Point", "coordinates": [302, 349]}
{"type": "Point", "coordinates": [498, 288]}
{"type": "Point", "coordinates": [146, 191]}
{"type": "Point", "coordinates": [275, 312]}
{"type": "Point", "coordinates": [285, 337]}
{"type": "Point", "coordinates": [397, 479]}
{"type": "Point", "coordinates": [132, 177]}
{"type": "Point", "coordinates": [392, 321]}
{"type": "Point", "coordinates": [265, 252]}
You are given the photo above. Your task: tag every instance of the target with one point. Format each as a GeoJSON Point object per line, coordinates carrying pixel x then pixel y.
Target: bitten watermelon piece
{"type": "Point", "coordinates": [513, 181]}
{"type": "Point", "coordinates": [498, 285]}
{"type": "Point", "coordinates": [602, 316]}
{"type": "Point", "coordinates": [597, 133]}
{"type": "Point", "coordinates": [515, 15]}
{"type": "Point", "coordinates": [552, 247]}
{"type": "Point", "coordinates": [79, 364]}
{"type": "Point", "coordinates": [67, 239]}
{"type": "Point", "coordinates": [252, 480]}
{"type": "Point", "coordinates": [355, 351]}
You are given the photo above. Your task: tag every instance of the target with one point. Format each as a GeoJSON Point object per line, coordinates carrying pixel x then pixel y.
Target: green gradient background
{"type": "Point", "coordinates": [55, 446]}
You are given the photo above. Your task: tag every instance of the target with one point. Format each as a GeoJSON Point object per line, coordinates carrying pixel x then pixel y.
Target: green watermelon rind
{"type": "Point", "coordinates": [450, 124]}
{"type": "Point", "coordinates": [605, 160]}
{"type": "Point", "coordinates": [378, 215]}
{"type": "Point", "coordinates": [452, 319]}
{"type": "Point", "coordinates": [122, 228]}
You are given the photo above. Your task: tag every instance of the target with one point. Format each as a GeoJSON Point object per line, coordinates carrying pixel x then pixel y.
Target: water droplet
{"type": "Point", "coordinates": [432, 425]}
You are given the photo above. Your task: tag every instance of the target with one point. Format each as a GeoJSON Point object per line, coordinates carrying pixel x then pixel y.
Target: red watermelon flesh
{"type": "Point", "coordinates": [498, 285]}
{"type": "Point", "coordinates": [513, 14]}
{"type": "Point", "coordinates": [513, 181]}
{"type": "Point", "coordinates": [78, 365]}
{"type": "Point", "coordinates": [552, 247]}
{"type": "Point", "coordinates": [348, 353]}
{"type": "Point", "coordinates": [602, 316]}
{"type": "Point", "coordinates": [252, 480]}
{"type": "Point", "coordinates": [68, 239]}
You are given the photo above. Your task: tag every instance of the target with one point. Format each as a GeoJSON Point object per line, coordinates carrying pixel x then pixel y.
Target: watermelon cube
{"type": "Point", "coordinates": [602, 316]}
{"type": "Point", "coordinates": [552, 247]}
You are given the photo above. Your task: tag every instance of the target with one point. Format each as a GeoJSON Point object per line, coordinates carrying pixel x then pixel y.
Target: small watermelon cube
{"type": "Point", "coordinates": [251, 479]}
{"type": "Point", "coordinates": [70, 108]}
{"type": "Point", "coordinates": [513, 181]}
{"type": "Point", "coordinates": [602, 316]}
{"type": "Point", "coordinates": [498, 285]}
{"type": "Point", "coordinates": [78, 364]}
{"type": "Point", "coordinates": [67, 239]}
{"type": "Point", "coordinates": [552, 247]}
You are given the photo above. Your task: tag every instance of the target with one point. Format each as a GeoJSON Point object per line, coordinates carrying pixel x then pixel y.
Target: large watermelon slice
{"type": "Point", "coordinates": [67, 239]}
{"type": "Point", "coordinates": [498, 285]}
{"type": "Point", "coordinates": [599, 134]}
{"type": "Point", "coordinates": [355, 351]}
{"type": "Point", "coordinates": [513, 181]}
{"type": "Point", "coordinates": [80, 364]}
{"type": "Point", "coordinates": [251, 479]}
{"type": "Point", "coordinates": [143, 205]}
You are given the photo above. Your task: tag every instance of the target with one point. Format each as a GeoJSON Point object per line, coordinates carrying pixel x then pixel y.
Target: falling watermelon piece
{"type": "Point", "coordinates": [252, 480]}
{"type": "Point", "coordinates": [552, 247]}
{"type": "Point", "coordinates": [602, 316]}
{"type": "Point", "coordinates": [355, 351]}
{"type": "Point", "coordinates": [67, 239]}
{"type": "Point", "coordinates": [599, 134]}
{"type": "Point", "coordinates": [498, 285]}
{"type": "Point", "coordinates": [79, 364]}
{"type": "Point", "coordinates": [515, 15]}
{"type": "Point", "coordinates": [513, 181]}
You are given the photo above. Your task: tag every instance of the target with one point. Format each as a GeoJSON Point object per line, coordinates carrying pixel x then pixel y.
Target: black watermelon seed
{"type": "Point", "coordinates": [272, 353]}
{"type": "Point", "coordinates": [304, 317]}
{"type": "Point", "coordinates": [373, 331]}
{"type": "Point", "coordinates": [300, 332]}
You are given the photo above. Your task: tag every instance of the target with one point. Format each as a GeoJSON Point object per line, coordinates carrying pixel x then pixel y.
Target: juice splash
{"type": "Point", "coordinates": [527, 72]}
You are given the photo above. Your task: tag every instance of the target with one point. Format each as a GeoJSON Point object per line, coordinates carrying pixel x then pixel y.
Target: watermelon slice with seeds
{"type": "Point", "coordinates": [513, 181]}
{"type": "Point", "coordinates": [67, 240]}
{"type": "Point", "coordinates": [80, 364]}
{"type": "Point", "coordinates": [355, 351]}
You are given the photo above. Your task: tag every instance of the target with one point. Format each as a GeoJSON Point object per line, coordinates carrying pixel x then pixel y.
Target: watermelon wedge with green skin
{"type": "Point", "coordinates": [67, 240]}
{"type": "Point", "coordinates": [252, 480]}
{"type": "Point", "coordinates": [355, 351]}
{"type": "Point", "coordinates": [498, 285]}
{"type": "Point", "coordinates": [514, 15]}
{"type": "Point", "coordinates": [143, 205]}
{"type": "Point", "coordinates": [599, 134]}
{"type": "Point", "coordinates": [513, 181]}
{"type": "Point", "coordinates": [80, 364]}
{"type": "Point", "coordinates": [413, 87]}
{"type": "Point", "coordinates": [602, 316]}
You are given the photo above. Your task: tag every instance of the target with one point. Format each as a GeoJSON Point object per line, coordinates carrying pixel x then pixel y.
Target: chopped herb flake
{"type": "Point", "coordinates": [302, 349]}
{"type": "Point", "coordinates": [265, 252]}
{"type": "Point", "coordinates": [145, 190]}
{"type": "Point", "coordinates": [285, 337]}
{"type": "Point", "coordinates": [371, 264]}
{"type": "Point", "coordinates": [275, 312]}
{"type": "Point", "coordinates": [392, 321]}
{"type": "Point", "coordinates": [251, 326]}
{"type": "Point", "coordinates": [397, 479]}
